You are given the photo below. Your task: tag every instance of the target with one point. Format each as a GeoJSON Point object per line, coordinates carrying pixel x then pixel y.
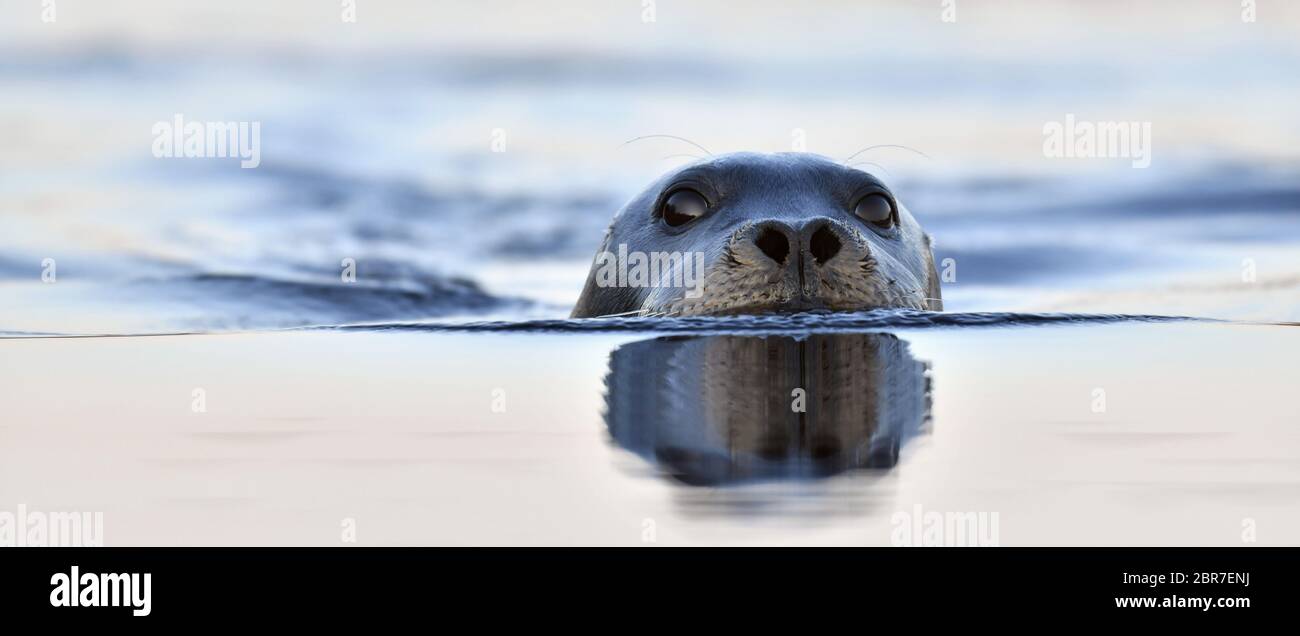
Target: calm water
{"type": "Point", "coordinates": [547, 438]}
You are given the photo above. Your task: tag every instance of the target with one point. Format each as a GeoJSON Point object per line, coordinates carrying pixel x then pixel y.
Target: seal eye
{"type": "Point", "coordinates": [683, 206]}
{"type": "Point", "coordinates": [876, 209]}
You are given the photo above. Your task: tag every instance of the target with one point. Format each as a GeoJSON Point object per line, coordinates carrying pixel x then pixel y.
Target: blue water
{"type": "Point", "coordinates": [376, 148]}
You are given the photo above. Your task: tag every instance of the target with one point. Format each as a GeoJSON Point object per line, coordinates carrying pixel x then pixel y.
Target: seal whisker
{"type": "Point", "coordinates": [870, 163]}
{"type": "Point", "coordinates": [682, 139]}
{"type": "Point", "coordinates": [878, 146]}
{"type": "Point", "coordinates": [626, 313]}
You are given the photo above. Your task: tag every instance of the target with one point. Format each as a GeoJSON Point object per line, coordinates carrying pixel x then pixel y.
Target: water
{"type": "Point", "coordinates": [434, 438]}
{"type": "Point", "coordinates": [377, 146]}
{"type": "Point", "coordinates": [1168, 288]}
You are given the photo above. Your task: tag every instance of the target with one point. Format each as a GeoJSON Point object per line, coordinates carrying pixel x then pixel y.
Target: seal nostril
{"type": "Point", "coordinates": [774, 244]}
{"type": "Point", "coordinates": [824, 245]}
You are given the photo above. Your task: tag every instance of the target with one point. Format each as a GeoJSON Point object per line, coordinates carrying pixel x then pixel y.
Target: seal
{"type": "Point", "coordinates": [751, 233]}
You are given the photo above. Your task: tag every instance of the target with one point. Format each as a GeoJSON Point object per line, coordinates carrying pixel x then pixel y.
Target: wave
{"type": "Point", "coordinates": [802, 323]}
{"type": "Point", "coordinates": [233, 302]}
{"type": "Point", "coordinates": [821, 322]}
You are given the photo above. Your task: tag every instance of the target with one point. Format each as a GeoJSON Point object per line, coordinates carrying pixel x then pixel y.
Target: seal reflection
{"type": "Point", "coordinates": [714, 410]}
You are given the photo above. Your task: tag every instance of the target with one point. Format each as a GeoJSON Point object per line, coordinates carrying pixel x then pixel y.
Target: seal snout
{"type": "Point", "coordinates": [819, 239]}
{"type": "Point", "coordinates": [773, 240]}
{"type": "Point", "coordinates": [816, 242]}
{"type": "Point", "coordinates": [822, 240]}
{"type": "Point", "coordinates": [795, 258]}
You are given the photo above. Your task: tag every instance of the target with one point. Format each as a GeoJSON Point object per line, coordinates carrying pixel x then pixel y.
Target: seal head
{"type": "Point", "coordinates": [749, 233]}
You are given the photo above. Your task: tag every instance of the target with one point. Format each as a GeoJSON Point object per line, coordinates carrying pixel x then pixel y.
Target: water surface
{"type": "Point", "coordinates": [592, 438]}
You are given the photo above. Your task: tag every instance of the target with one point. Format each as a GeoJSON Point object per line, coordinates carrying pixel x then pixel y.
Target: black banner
{"type": "Point", "coordinates": [147, 584]}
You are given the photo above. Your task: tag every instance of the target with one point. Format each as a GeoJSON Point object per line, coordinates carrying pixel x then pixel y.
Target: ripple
{"type": "Point", "coordinates": [801, 322]}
